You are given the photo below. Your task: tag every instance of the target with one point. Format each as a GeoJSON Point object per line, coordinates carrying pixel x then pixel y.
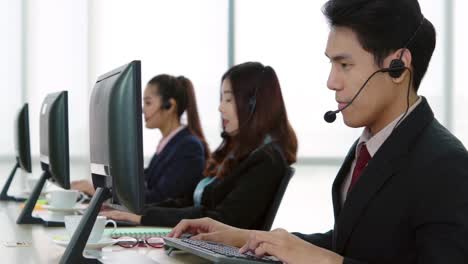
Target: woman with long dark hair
{"type": "Point", "coordinates": [243, 174]}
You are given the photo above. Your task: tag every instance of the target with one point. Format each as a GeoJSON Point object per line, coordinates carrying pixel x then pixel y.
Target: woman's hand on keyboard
{"type": "Point", "coordinates": [211, 230]}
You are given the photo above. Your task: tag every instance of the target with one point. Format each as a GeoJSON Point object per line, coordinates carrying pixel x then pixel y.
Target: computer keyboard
{"type": "Point", "coordinates": [216, 252]}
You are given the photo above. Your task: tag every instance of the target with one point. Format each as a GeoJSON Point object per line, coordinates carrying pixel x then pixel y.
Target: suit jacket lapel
{"type": "Point", "coordinates": [373, 178]}
{"type": "Point", "coordinates": [341, 176]}
{"type": "Point", "coordinates": [387, 162]}
{"type": "Point", "coordinates": [336, 189]}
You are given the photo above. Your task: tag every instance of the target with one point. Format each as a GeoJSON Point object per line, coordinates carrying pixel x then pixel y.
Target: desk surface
{"type": "Point", "coordinates": [43, 250]}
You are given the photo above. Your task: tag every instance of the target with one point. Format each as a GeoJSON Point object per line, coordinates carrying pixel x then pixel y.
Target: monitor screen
{"type": "Point", "coordinates": [116, 135]}
{"type": "Point", "coordinates": [54, 153]}
{"type": "Point", "coordinates": [22, 141]}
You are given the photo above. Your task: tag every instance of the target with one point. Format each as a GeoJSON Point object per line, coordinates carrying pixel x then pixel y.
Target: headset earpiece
{"type": "Point", "coordinates": [166, 105]}
{"type": "Point", "coordinates": [396, 69]}
{"type": "Point", "coordinates": [397, 66]}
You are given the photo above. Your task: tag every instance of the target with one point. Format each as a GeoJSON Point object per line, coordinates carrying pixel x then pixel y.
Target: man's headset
{"type": "Point", "coordinates": [395, 70]}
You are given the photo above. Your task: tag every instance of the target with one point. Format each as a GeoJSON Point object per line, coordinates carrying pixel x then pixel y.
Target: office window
{"type": "Point", "coordinates": [460, 56]}
{"type": "Point", "coordinates": [180, 37]}
{"type": "Point", "coordinates": [10, 72]}
{"type": "Point", "coordinates": [56, 52]}
{"type": "Point", "coordinates": [433, 85]}
{"type": "Point", "coordinates": [292, 37]}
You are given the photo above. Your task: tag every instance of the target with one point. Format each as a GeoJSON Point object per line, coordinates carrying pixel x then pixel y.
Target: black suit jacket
{"type": "Point", "coordinates": [175, 172]}
{"type": "Point", "coordinates": [410, 204]}
{"type": "Point", "coordinates": [240, 199]}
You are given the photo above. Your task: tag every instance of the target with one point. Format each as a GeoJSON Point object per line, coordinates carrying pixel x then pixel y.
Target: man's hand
{"type": "Point", "coordinates": [288, 248]}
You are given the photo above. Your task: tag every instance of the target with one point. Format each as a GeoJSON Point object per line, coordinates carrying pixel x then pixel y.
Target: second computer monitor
{"type": "Point", "coordinates": [54, 151]}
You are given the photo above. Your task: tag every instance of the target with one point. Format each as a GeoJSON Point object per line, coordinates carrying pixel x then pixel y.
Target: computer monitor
{"type": "Point", "coordinates": [54, 153]}
{"type": "Point", "coordinates": [22, 140]}
{"type": "Point", "coordinates": [116, 135]}
{"type": "Point", "coordinates": [54, 150]}
{"type": "Point", "coordinates": [116, 150]}
{"type": "Point", "coordinates": [22, 149]}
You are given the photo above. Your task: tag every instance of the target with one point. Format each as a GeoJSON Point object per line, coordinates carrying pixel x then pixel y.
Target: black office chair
{"type": "Point", "coordinates": [271, 213]}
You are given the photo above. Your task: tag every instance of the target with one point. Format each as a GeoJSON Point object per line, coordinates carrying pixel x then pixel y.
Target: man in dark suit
{"type": "Point", "coordinates": [401, 195]}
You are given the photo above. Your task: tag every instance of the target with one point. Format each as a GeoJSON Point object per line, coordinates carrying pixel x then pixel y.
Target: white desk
{"type": "Point", "coordinates": [43, 250]}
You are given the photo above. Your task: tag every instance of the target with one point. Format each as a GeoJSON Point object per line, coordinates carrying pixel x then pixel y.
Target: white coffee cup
{"type": "Point", "coordinates": [64, 199]}
{"type": "Point", "coordinates": [72, 222]}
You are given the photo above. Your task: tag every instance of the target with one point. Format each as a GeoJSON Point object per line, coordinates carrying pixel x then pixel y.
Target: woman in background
{"type": "Point", "coordinates": [243, 174]}
{"type": "Point", "coordinates": [177, 166]}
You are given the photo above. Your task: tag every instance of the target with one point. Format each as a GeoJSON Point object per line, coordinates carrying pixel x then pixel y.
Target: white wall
{"type": "Point", "coordinates": [10, 72]}
{"type": "Point", "coordinates": [179, 37]}
{"type": "Point", "coordinates": [57, 60]}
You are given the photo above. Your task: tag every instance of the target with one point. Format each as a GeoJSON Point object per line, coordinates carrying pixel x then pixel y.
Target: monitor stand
{"type": "Point", "coordinates": [4, 194]}
{"type": "Point", "coordinates": [76, 246]}
{"type": "Point", "coordinates": [26, 216]}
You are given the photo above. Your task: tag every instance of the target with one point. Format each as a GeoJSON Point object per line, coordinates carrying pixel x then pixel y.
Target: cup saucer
{"type": "Point", "coordinates": [73, 209]}
{"type": "Point", "coordinates": [104, 242]}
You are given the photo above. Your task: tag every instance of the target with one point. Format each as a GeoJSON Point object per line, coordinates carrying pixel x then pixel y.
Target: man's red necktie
{"type": "Point", "coordinates": [362, 160]}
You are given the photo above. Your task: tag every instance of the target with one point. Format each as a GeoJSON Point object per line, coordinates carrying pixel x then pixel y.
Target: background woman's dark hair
{"type": "Point", "coordinates": [181, 90]}
{"type": "Point", "coordinates": [384, 26]}
{"type": "Point", "coordinates": [269, 118]}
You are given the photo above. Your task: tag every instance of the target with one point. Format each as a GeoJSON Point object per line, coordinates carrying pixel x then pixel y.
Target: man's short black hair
{"type": "Point", "coordinates": [384, 26]}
